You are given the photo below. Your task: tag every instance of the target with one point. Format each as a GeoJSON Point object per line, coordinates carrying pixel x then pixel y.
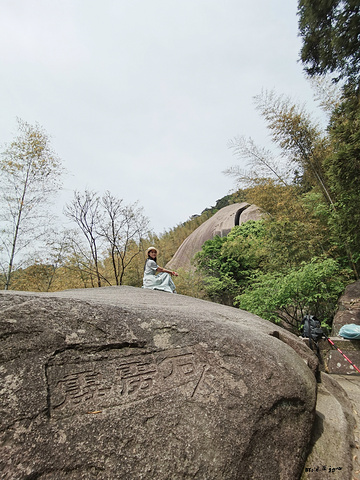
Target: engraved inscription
{"type": "Point", "coordinates": [92, 382]}
{"type": "Point", "coordinates": [80, 387]}
{"type": "Point", "coordinates": [136, 377]}
{"type": "Point", "coordinates": [178, 365]}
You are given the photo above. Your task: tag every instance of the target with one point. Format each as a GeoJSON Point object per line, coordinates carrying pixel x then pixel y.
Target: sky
{"type": "Point", "coordinates": [141, 97]}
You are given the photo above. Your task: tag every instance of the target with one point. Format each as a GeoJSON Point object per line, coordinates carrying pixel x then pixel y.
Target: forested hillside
{"type": "Point", "coordinates": [300, 257]}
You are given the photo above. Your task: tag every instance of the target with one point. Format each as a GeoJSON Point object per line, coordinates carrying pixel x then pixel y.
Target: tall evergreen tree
{"type": "Point", "coordinates": [343, 171]}
{"type": "Point", "coordinates": [330, 30]}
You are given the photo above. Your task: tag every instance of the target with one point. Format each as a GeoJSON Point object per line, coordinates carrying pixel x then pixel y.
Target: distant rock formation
{"type": "Point", "coordinates": [125, 383]}
{"type": "Point", "coordinates": [219, 224]}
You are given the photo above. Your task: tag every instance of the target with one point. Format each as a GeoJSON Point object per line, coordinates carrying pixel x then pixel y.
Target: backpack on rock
{"type": "Point", "coordinates": [312, 330]}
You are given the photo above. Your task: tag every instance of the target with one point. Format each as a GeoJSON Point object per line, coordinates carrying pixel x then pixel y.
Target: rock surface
{"type": "Point", "coordinates": [124, 383]}
{"type": "Point", "coordinates": [351, 385]}
{"type": "Point", "coordinates": [348, 312]}
{"type": "Point", "coordinates": [219, 224]}
{"type": "Point", "coordinates": [334, 362]}
{"type": "Point", "coordinates": [333, 443]}
{"type": "Point", "coordinates": [348, 308]}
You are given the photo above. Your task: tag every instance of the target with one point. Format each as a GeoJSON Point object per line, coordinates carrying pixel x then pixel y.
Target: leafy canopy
{"type": "Point", "coordinates": [227, 262]}
{"type": "Point", "coordinates": [330, 30]}
{"type": "Point", "coordinates": [312, 288]}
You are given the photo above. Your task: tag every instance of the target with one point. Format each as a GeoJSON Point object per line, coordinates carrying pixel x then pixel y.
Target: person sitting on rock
{"type": "Point", "coordinates": [163, 280]}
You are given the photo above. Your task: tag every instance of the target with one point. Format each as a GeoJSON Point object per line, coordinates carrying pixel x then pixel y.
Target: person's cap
{"type": "Point", "coordinates": [152, 248]}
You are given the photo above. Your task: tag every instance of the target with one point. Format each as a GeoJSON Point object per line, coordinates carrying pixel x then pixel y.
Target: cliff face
{"type": "Point", "coordinates": [219, 224]}
{"type": "Point", "coordinates": [121, 382]}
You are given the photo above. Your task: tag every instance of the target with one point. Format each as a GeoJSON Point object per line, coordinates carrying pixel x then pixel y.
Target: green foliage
{"type": "Point", "coordinates": [313, 288]}
{"type": "Point", "coordinates": [312, 205]}
{"type": "Point", "coordinates": [343, 170]}
{"type": "Point", "coordinates": [221, 290]}
{"type": "Point", "coordinates": [302, 143]}
{"type": "Point", "coordinates": [190, 283]}
{"type": "Point", "coordinates": [289, 242]}
{"type": "Point", "coordinates": [330, 30]}
{"type": "Point", "coordinates": [227, 262]}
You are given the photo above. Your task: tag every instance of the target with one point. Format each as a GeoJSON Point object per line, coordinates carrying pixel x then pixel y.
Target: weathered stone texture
{"type": "Point", "coordinates": [348, 308]}
{"type": "Point", "coordinates": [219, 224]}
{"type": "Point", "coordinates": [122, 383]}
{"type": "Point", "coordinates": [331, 455]}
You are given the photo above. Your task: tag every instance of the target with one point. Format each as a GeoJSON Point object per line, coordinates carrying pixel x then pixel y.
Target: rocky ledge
{"type": "Point", "coordinates": [125, 383]}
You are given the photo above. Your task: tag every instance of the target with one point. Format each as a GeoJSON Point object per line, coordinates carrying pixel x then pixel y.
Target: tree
{"type": "Point", "coordinates": [331, 44]}
{"type": "Point", "coordinates": [327, 93]}
{"type": "Point", "coordinates": [218, 271]}
{"type": "Point", "coordinates": [113, 235]}
{"type": "Point", "coordinates": [123, 229]}
{"type": "Point", "coordinates": [330, 30]}
{"type": "Point", "coordinates": [311, 288]}
{"type": "Point", "coordinates": [301, 140]}
{"type": "Point", "coordinates": [30, 176]}
{"type": "Point", "coordinates": [76, 272]}
{"type": "Point", "coordinates": [264, 165]}
{"type": "Point", "coordinates": [343, 171]}
{"type": "Point", "coordinates": [43, 272]}
{"type": "Point", "coordinates": [227, 263]}
{"type": "Point", "coordinates": [303, 147]}
{"type": "Point", "coordinates": [84, 210]}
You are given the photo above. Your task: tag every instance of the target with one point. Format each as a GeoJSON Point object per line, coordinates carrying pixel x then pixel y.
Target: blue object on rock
{"type": "Point", "coordinates": [350, 331]}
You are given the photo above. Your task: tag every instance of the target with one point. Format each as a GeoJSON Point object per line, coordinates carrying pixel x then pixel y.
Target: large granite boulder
{"type": "Point", "coordinates": [333, 452]}
{"type": "Point", "coordinates": [125, 383]}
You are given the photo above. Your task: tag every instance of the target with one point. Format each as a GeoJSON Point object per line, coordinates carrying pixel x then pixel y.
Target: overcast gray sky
{"type": "Point", "coordinates": [141, 97]}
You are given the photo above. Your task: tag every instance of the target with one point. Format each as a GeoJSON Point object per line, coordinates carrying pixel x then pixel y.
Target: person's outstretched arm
{"type": "Point", "coordinates": [171, 272]}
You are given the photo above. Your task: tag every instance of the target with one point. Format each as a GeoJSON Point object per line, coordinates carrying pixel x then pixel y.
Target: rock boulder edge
{"type": "Point", "coordinates": [123, 383]}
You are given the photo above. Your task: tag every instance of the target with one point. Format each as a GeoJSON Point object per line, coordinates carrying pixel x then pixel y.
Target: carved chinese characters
{"type": "Point", "coordinates": [95, 381]}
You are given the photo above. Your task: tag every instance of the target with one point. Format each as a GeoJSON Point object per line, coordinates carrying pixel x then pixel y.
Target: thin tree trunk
{"type": "Point", "coordinates": [11, 260]}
